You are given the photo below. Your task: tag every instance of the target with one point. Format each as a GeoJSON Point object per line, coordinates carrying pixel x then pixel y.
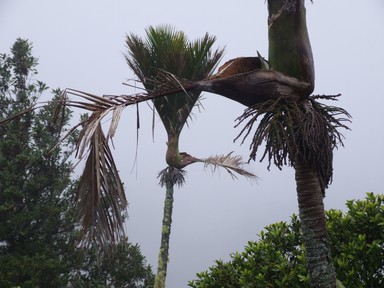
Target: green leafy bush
{"type": "Point", "coordinates": [277, 259]}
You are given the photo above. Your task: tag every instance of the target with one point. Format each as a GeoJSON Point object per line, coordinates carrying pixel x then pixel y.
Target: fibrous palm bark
{"type": "Point", "coordinates": [311, 211]}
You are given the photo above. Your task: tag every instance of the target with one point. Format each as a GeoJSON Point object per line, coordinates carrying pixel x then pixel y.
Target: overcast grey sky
{"type": "Point", "coordinates": [80, 44]}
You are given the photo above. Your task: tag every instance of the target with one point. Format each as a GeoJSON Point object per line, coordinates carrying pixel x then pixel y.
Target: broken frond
{"type": "Point", "coordinates": [100, 199]}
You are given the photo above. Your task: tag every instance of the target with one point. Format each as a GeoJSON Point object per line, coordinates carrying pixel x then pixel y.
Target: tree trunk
{"type": "Point", "coordinates": [290, 50]}
{"type": "Point", "coordinates": [312, 216]}
{"type": "Point", "coordinates": [290, 53]}
{"type": "Point", "coordinates": [165, 235]}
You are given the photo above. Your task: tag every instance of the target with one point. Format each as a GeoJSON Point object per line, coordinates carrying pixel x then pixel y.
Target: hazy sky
{"type": "Point", "coordinates": [80, 44]}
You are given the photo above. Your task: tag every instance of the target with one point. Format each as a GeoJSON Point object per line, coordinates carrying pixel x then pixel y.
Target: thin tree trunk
{"type": "Point", "coordinates": [165, 235]}
{"type": "Point", "coordinates": [312, 216]}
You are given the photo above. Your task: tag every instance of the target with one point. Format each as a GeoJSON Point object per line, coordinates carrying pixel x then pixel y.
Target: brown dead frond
{"type": "Point", "coordinates": [100, 199]}
{"type": "Point", "coordinates": [237, 66]}
{"type": "Point", "coordinates": [101, 106]}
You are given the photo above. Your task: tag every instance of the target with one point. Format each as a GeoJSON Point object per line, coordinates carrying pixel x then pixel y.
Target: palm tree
{"type": "Point", "coordinates": [170, 50]}
{"type": "Point", "coordinates": [165, 48]}
{"type": "Point", "coordinates": [302, 133]}
{"type": "Point", "coordinates": [296, 128]}
{"type": "Point", "coordinates": [100, 198]}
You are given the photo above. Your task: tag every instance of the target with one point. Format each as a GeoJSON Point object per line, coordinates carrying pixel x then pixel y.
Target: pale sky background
{"type": "Point", "coordinates": [80, 44]}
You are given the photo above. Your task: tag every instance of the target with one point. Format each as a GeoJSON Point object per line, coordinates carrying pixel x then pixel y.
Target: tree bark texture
{"type": "Point", "coordinates": [165, 235]}
{"type": "Point", "coordinates": [312, 216]}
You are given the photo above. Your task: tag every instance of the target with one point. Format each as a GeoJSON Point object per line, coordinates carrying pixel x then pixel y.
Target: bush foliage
{"type": "Point", "coordinates": [277, 259]}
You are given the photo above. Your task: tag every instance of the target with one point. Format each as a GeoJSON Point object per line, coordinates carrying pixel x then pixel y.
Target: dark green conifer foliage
{"type": "Point", "coordinates": [34, 227]}
{"type": "Point", "coordinates": [38, 231]}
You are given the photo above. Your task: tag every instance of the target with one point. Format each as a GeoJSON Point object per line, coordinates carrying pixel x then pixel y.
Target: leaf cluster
{"type": "Point", "coordinates": [164, 48]}
{"type": "Point", "coordinates": [277, 259]}
{"type": "Point", "coordinates": [124, 267]}
{"type": "Point", "coordinates": [36, 227]}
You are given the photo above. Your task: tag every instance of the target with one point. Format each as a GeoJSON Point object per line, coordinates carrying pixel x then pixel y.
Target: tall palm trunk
{"type": "Point", "coordinates": [312, 216]}
{"type": "Point", "coordinates": [165, 233]}
{"type": "Point", "coordinates": [290, 53]}
{"type": "Point", "coordinates": [170, 50]}
{"type": "Point", "coordinates": [173, 159]}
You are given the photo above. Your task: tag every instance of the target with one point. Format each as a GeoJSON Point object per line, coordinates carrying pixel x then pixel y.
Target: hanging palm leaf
{"type": "Point", "coordinates": [100, 196]}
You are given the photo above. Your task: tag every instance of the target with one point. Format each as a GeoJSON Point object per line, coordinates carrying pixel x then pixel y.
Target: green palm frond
{"type": "Point", "coordinates": [100, 198]}
{"type": "Point", "coordinates": [170, 50]}
{"type": "Point", "coordinates": [308, 129]}
{"type": "Point", "coordinates": [202, 62]}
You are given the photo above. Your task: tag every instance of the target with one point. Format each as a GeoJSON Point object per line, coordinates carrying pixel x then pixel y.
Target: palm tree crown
{"type": "Point", "coordinates": [170, 50]}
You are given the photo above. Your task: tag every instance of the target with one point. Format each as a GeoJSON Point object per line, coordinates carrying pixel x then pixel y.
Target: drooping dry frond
{"type": "Point", "coordinates": [232, 164]}
{"type": "Point", "coordinates": [290, 129]}
{"type": "Point", "coordinates": [100, 198]}
{"type": "Point", "coordinates": [101, 106]}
